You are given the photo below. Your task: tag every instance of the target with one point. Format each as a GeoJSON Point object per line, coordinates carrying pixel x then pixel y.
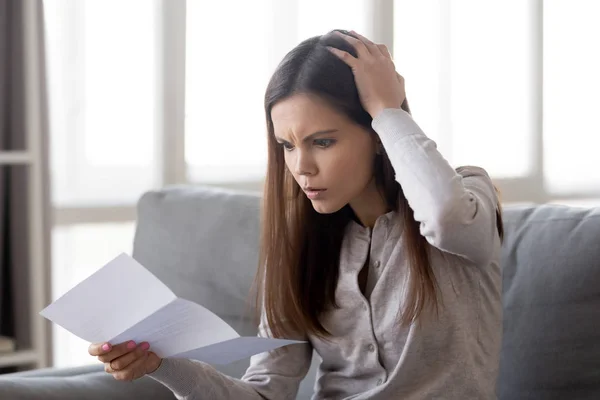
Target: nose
{"type": "Point", "coordinates": [305, 164]}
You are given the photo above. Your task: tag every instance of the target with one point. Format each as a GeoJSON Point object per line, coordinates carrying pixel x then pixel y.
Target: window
{"type": "Point", "coordinates": [510, 86]}
{"type": "Point", "coordinates": [151, 93]}
{"type": "Point", "coordinates": [468, 78]}
{"type": "Point", "coordinates": [227, 74]}
{"type": "Point", "coordinates": [102, 94]}
{"type": "Point", "coordinates": [227, 70]}
{"type": "Point", "coordinates": [571, 102]}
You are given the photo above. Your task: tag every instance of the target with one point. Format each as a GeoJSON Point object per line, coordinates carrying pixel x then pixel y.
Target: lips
{"type": "Point", "coordinates": [313, 193]}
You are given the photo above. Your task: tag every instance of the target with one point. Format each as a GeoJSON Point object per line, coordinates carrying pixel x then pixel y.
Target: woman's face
{"type": "Point", "coordinates": [330, 156]}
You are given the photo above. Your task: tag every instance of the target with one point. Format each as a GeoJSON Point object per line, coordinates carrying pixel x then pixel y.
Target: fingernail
{"type": "Point", "coordinates": [131, 345]}
{"type": "Point", "coordinates": [106, 347]}
{"type": "Point", "coordinates": [145, 346]}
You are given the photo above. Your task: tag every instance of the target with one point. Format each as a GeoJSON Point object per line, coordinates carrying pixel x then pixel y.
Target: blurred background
{"type": "Point", "coordinates": [122, 97]}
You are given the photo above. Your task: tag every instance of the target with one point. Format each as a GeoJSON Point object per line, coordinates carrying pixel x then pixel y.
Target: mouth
{"type": "Point", "coordinates": [313, 193]}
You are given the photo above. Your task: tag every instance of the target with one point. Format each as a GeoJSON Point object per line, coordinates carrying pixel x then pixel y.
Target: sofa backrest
{"type": "Point", "coordinates": [551, 296]}
{"type": "Point", "coordinates": [203, 242]}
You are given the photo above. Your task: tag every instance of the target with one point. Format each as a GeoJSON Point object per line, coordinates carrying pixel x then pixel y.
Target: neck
{"type": "Point", "coordinates": [369, 205]}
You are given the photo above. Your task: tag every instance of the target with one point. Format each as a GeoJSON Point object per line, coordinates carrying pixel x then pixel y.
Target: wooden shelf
{"type": "Point", "coordinates": [15, 157]}
{"type": "Point", "coordinates": [21, 357]}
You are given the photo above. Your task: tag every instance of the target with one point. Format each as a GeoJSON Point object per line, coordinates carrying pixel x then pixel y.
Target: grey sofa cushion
{"type": "Point", "coordinates": [551, 274]}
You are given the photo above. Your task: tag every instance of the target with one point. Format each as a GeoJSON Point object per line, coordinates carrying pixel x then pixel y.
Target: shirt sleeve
{"type": "Point", "coordinates": [271, 375]}
{"type": "Point", "coordinates": [456, 209]}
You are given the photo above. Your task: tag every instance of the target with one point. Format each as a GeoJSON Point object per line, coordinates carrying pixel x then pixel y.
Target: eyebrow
{"type": "Point", "coordinates": [311, 136]}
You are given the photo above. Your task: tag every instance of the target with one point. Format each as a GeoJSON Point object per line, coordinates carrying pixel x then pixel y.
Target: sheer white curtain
{"type": "Point", "coordinates": [509, 85]}
{"type": "Point", "coordinates": [229, 59]}
{"type": "Point", "coordinates": [571, 100]}
{"type": "Point", "coordinates": [102, 63]}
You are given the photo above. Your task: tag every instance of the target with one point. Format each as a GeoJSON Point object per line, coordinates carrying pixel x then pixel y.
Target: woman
{"type": "Point", "coordinates": [376, 252]}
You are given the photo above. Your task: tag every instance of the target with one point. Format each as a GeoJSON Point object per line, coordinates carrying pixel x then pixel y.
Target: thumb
{"type": "Point", "coordinates": [98, 349]}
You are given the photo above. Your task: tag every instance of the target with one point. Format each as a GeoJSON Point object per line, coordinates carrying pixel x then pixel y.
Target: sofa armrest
{"type": "Point", "coordinates": [92, 386]}
{"type": "Point", "coordinates": [55, 372]}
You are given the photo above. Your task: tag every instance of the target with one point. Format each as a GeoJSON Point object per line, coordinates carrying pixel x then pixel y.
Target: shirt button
{"type": "Point", "coordinates": [377, 264]}
{"type": "Point", "coordinates": [371, 348]}
{"type": "Point", "coordinates": [379, 382]}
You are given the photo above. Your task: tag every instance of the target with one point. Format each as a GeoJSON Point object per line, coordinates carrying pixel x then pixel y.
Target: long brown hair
{"type": "Point", "coordinates": [300, 248]}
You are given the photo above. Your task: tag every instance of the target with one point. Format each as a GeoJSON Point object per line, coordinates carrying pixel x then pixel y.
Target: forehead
{"type": "Point", "coordinates": [302, 113]}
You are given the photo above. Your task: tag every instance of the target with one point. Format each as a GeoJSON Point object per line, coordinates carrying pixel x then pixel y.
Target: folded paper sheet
{"type": "Point", "coordinates": [124, 301]}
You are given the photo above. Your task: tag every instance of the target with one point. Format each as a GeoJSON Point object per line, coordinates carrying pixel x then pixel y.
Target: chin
{"type": "Point", "coordinates": [323, 207]}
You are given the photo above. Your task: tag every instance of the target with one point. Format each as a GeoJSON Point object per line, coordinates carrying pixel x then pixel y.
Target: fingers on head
{"type": "Point", "coordinates": [367, 42]}
{"type": "Point", "coordinates": [384, 50]}
{"type": "Point", "coordinates": [363, 47]}
{"type": "Point", "coordinates": [344, 56]}
{"type": "Point", "coordinates": [352, 38]}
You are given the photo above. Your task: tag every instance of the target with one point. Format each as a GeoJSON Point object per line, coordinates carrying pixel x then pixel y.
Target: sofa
{"type": "Point", "coordinates": [202, 242]}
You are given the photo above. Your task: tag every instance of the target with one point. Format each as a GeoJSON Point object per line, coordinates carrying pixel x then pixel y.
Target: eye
{"type": "Point", "coordinates": [324, 143]}
{"type": "Point", "coordinates": [287, 146]}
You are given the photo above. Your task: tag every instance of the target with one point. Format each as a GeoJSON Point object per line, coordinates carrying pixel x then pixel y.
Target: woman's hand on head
{"type": "Point", "coordinates": [126, 361]}
{"type": "Point", "coordinates": [379, 85]}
